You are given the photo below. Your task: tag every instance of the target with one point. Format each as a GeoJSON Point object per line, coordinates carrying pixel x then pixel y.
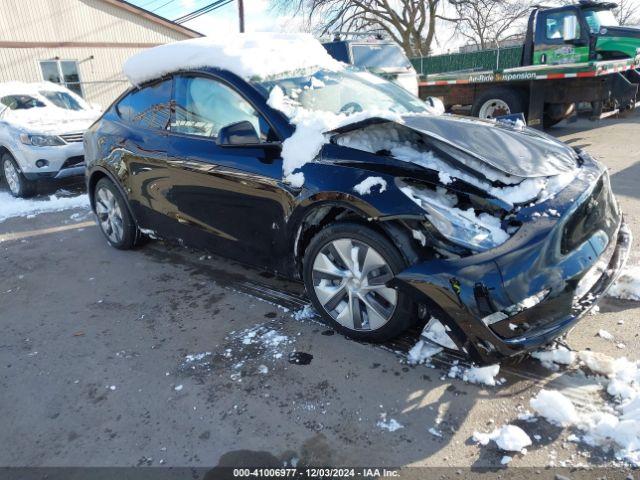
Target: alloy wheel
{"type": "Point", "coordinates": [349, 280]}
{"type": "Point", "coordinates": [109, 215]}
{"type": "Point", "coordinates": [494, 108]}
{"type": "Point", "coordinates": [12, 176]}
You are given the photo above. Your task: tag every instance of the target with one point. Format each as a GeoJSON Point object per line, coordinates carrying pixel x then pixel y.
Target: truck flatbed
{"type": "Point", "coordinates": [532, 72]}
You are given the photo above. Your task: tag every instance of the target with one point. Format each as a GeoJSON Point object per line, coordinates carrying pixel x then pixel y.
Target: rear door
{"type": "Point", "coordinates": [229, 199]}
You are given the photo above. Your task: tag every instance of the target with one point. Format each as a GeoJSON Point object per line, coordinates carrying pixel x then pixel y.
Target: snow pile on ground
{"type": "Point", "coordinates": [612, 426]}
{"type": "Point", "coordinates": [508, 438]}
{"type": "Point", "coordinates": [478, 375]}
{"type": "Point", "coordinates": [605, 334]}
{"type": "Point", "coordinates": [422, 352]}
{"type": "Point", "coordinates": [433, 338]}
{"type": "Point", "coordinates": [555, 407]}
{"type": "Point", "coordinates": [306, 313]}
{"type": "Point", "coordinates": [627, 286]}
{"type": "Point", "coordinates": [482, 375]}
{"type": "Point", "coordinates": [365, 186]}
{"type": "Point", "coordinates": [268, 341]}
{"type": "Point", "coordinates": [391, 424]}
{"type": "Point", "coordinates": [20, 207]}
{"type": "Point", "coordinates": [556, 356]}
{"type": "Point", "coordinates": [248, 55]}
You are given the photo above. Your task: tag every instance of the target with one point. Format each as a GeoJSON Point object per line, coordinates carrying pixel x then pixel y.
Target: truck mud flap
{"type": "Point", "coordinates": [624, 92]}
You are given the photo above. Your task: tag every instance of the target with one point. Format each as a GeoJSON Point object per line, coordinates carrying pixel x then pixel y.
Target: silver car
{"type": "Point", "coordinates": [41, 130]}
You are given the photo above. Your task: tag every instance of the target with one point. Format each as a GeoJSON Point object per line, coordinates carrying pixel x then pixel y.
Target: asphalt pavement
{"type": "Point", "coordinates": [166, 356]}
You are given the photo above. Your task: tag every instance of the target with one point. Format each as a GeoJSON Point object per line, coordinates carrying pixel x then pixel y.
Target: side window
{"type": "Point", "coordinates": [63, 72]}
{"type": "Point", "coordinates": [554, 25]}
{"type": "Point", "coordinates": [20, 102]}
{"type": "Point", "coordinates": [203, 106]}
{"type": "Point", "coordinates": [147, 107]}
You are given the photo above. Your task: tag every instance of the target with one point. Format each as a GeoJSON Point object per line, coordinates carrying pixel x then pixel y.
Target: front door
{"type": "Point", "coordinates": [550, 45]}
{"type": "Point", "coordinates": [227, 198]}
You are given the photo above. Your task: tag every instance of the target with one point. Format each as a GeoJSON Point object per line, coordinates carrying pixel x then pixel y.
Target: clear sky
{"type": "Point", "coordinates": [258, 16]}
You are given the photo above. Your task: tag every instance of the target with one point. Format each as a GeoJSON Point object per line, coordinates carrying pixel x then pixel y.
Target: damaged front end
{"type": "Point", "coordinates": [513, 253]}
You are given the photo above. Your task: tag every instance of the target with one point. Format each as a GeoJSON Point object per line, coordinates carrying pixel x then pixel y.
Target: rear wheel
{"type": "Point", "coordinates": [18, 185]}
{"type": "Point", "coordinates": [497, 103]}
{"type": "Point", "coordinates": [347, 268]}
{"type": "Point", "coordinates": [114, 218]}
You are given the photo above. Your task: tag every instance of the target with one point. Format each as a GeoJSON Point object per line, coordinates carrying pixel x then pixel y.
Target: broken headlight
{"type": "Point", "coordinates": [463, 227]}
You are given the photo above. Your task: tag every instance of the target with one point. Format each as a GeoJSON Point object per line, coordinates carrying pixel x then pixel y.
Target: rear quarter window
{"type": "Point", "coordinates": [147, 107]}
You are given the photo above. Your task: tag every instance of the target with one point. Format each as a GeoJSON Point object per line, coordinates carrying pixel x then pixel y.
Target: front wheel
{"type": "Point", "coordinates": [18, 185]}
{"type": "Point", "coordinates": [347, 268]}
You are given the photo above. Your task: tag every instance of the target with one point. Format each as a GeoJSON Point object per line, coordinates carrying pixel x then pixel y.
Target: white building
{"type": "Point", "coordinates": [78, 43]}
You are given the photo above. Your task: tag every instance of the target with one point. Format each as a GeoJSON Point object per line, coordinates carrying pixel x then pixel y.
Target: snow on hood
{"type": "Point", "coordinates": [248, 55]}
{"type": "Point", "coordinates": [402, 140]}
{"type": "Point", "coordinates": [50, 120]}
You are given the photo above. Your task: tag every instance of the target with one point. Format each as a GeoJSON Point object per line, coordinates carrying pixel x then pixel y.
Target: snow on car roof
{"type": "Point", "coordinates": [24, 88]}
{"type": "Point", "coordinates": [248, 55]}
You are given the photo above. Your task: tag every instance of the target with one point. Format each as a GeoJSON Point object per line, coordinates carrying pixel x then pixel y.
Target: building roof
{"type": "Point", "coordinates": [154, 18]}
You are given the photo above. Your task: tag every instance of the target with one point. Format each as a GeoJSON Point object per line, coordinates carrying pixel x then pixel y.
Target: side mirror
{"type": "Point", "coordinates": [570, 28]}
{"type": "Point", "coordinates": [239, 133]}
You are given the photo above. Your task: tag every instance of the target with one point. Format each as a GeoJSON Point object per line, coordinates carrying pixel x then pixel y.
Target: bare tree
{"type": "Point", "coordinates": [485, 23]}
{"type": "Point", "coordinates": [628, 12]}
{"type": "Point", "coordinates": [411, 23]}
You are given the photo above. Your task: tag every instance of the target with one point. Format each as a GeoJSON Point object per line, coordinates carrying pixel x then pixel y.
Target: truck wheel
{"type": "Point", "coordinates": [556, 112]}
{"type": "Point", "coordinates": [18, 185]}
{"type": "Point", "coordinates": [497, 102]}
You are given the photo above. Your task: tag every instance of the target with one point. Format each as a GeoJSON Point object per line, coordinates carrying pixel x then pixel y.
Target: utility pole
{"type": "Point", "coordinates": [241, 14]}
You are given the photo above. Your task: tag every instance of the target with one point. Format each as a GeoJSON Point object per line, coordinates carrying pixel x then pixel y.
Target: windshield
{"type": "Point", "coordinates": [379, 56]}
{"type": "Point", "coordinates": [20, 102]}
{"type": "Point", "coordinates": [600, 18]}
{"type": "Point", "coordinates": [61, 99]}
{"type": "Point", "coordinates": [347, 91]}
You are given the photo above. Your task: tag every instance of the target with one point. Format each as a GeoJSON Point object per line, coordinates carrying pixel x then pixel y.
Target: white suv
{"type": "Point", "coordinates": [41, 130]}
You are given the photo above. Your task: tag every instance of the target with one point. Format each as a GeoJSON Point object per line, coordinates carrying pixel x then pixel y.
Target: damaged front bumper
{"type": "Point", "coordinates": [532, 289]}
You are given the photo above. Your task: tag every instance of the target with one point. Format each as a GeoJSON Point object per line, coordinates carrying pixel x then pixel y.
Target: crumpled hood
{"type": "Point", "coordinates": [523, 152]}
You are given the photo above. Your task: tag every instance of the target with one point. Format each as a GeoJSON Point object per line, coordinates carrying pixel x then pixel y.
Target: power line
{"type": "Point", "coordinates": [144, 5]}
{"type": "Point", "coordinates": [201, 11]}
{"type": "Point", "coordinates": [163, 5]}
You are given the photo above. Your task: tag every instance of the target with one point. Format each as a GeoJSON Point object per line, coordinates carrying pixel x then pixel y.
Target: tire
{"type": "Point", "coordinates": [377, 313]}
{"type": "Point", "coordinates": [114, 219]}
{"type": "Point", "coordinates": [555, 113]}
{"type": "Point", "coordinates": [504, 101]}
{"type": "Point", "coordinates": [18, 185]}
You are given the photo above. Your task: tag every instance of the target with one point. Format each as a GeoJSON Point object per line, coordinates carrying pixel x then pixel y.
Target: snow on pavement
{"type": "Point", "coordinates": [508, 438]}
{"type": "Point", "coordinates": [26, 207]}
{"type": "Point", "coordinates": [627, 287]}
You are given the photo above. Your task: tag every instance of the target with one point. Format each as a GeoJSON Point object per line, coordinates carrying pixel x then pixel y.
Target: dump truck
{"type": "Point", "coordinates": [572, 55]}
